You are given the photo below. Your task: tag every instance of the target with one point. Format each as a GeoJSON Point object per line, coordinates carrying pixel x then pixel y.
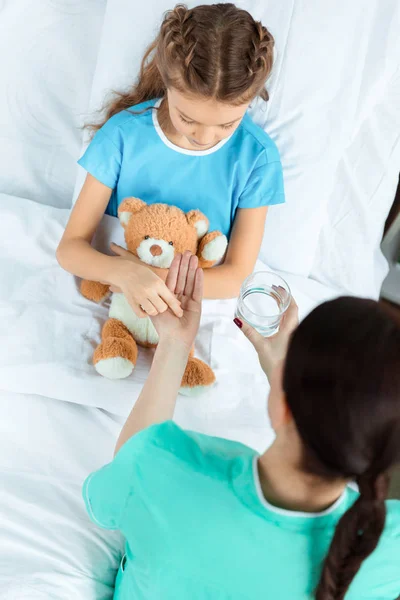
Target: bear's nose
{"type": "Point", "coordinates": [156, 250]}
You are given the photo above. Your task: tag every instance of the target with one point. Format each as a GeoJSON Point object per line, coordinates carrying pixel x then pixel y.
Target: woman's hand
{"type": "Point", "coordinates": [271, 350]}
{"type": "Point", "coordinates": [185, 280]}
{"type": "Point", "coordinates": [147, 294]}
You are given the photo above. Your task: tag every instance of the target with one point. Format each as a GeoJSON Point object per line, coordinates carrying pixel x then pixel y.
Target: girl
{"type": "Point", "coordinates": [207, 518]}
{"type": "Point", "coordinates": [181, 136]}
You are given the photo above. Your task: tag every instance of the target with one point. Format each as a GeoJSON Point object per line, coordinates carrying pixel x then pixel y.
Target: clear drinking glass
{"type": "Point", "coordinates": [264, 297]}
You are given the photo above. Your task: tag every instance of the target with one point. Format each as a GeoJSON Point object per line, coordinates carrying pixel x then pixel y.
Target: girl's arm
{"type": "Point", "coordinates": [157, 400]}
{"type": "Point", "coordinates": [74, 252]}
{"type": "Point", "coordinates": [224, 281]}
{"type": "Point", "coordinates": [76, 255]}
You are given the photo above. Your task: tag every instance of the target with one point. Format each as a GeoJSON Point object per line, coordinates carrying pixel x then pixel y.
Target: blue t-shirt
{"type": "Point", "coordinates": [197, 526]}
{"type": "Point", "coordinates": [131, 155]}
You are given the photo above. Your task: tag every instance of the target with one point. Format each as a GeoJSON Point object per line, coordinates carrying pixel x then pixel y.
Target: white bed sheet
{"type": "Point", "coordinates": [48, 52]}
{"type": "Point", "coordinates": [49, 549]}
{"type": "Point", "coordinates": [51, 330]}
{"type": "Point", "coordinates": [60, 419]}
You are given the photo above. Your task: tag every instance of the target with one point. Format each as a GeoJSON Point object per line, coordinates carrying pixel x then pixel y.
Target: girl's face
{"type": "Point", "coordinates": [203, 123]}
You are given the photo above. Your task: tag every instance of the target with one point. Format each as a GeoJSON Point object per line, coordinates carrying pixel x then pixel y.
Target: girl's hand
{"type": "Point", "coordinates": [271, 350]}
{"type": "Point", "coordinates": [185, 280]}
{"type": "Point", "coordinates": [147, 294]}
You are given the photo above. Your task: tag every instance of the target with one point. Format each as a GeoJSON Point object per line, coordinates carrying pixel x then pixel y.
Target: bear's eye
{"type": "Point", "coordinates": [146, 237]}
{"type": "Point", "coordinates": [171, 243]}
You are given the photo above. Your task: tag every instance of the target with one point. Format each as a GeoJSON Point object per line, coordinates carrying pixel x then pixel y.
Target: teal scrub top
{"type": "Point", "coordinates": [197, 526]}
{"type": "Point", "coordinates": [131, 155]}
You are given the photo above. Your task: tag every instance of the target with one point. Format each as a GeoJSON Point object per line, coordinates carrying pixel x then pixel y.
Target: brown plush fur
{"type": "Point", "coordinates": [209, 237]}
{"type": "Point", "coordinates": [95, 291]}
{"type": "Point", "coordinates": [197, 373]}
{"type": "Point", "coordinates": [162, 222]}
{"type": "Point", "coordinates": [184, 232]}
{"type": "Point", "coordinates": [116, 341]}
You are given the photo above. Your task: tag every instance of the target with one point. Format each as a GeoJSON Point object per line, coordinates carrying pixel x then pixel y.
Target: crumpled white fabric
{"type": "Point", "coordinates": [49, 330]}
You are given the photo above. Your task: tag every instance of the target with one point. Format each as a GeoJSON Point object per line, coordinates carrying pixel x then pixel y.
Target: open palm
{"type": "Point", "coordinates": [185, 280]}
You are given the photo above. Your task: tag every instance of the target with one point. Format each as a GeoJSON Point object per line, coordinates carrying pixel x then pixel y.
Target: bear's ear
{"type": "Point", "coordinates": [199, 221]}
{"type": "Point", "coordinates": [127, 208]}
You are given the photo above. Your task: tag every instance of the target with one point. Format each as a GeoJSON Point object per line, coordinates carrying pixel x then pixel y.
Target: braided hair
{"type": "Point", "coordinates": [356, 537]}
{"type": "Point", "coordinates": [215, 51]}
{"type": "Point", "coordinates": [342, 385]}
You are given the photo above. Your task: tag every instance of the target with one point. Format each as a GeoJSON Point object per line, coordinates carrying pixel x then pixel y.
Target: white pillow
{"type": "Point", "coordinates": [314, 90]}
{"type": "Point", "coordinates": [348, 253]}
{"type": "Point", "coordinates": [48, 52]}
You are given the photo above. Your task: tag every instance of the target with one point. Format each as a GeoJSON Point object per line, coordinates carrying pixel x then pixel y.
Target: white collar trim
{"type": "Point", "coordinates": [168, 143]}
{"type": "Point", "coordinates": [290, 513]}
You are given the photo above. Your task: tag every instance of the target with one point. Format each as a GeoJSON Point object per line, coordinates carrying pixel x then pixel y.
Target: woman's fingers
{"type": "Point", "coordinates": [182, 275]}
{"type": "Point", "coordinates": [290, 319]}
{"type": "Point", "coordinates": [172, 276]}
{"type": "Point", "coordinates": [198, 292]}
{"type": "Point", "coordinates": [158, 302]}
{"type": "Point", "coordinates": [191, 274]}
{"type": "Point", "coordinates": [252, 335]}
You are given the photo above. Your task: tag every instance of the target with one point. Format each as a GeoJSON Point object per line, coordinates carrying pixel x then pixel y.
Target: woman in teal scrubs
{"type": "Point", "coordinates": [208, 518]}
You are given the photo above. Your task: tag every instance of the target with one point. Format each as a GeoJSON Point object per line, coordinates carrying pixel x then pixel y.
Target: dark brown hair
{"type": "Point", "coordinates": [342, 384]}
{"type": "Point", "coordinates": [217, 51]}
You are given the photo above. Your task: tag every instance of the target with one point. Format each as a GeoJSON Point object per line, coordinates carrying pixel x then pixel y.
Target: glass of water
{"type": "Point", "coordinates": [264, 298]}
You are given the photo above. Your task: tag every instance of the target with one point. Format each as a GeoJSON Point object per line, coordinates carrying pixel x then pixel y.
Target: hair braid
{"type": "Point", "coordinates": [347, 351]}
{"type": "Point", "coordinates": [177, 35]}
{"type": "Point", "coordinates": [260, 60]}
{"type": "Point", "coordinates": [356, 537]}
{"type": "Point", "coordinates": [213, 51]}
{"type": "Point", "coordinates": [180, 46]}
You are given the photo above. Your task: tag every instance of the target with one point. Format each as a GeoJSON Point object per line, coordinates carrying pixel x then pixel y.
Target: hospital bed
{"type": "Point", "coordinates": [334, 112]}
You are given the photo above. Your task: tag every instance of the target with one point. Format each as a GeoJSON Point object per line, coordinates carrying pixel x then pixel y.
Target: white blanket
{"type": "Point", "coordinates": [49, 548]}
{"type": "Point", "coordinates": [50, 332]}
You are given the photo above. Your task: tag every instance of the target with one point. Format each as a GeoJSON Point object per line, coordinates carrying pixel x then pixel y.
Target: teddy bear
{"type": "Point", "coordinates": [153, 233]}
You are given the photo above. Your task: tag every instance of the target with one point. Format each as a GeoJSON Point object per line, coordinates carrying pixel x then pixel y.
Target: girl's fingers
{"type": "Point", "coordinates": [137, 310]}
{"type": "Point", "coordinates": [193, 264]}
{"type": "Point", "coordinates": [118, 249]}
{"type": "Point", "coordinates": [115, 290]}
{"type": "Point", "coordinates": [148, 308]}
{"type": "Point", "coordinates": [197, 294]}
{"type": "Point", "coordinates": [182, 275]}
{"type": "Point", "coordinates": [172, 302]}
{"type": "Point", "coordinates": [158, 302]}
{"type": "Point", "coordinates": [172, 276]}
